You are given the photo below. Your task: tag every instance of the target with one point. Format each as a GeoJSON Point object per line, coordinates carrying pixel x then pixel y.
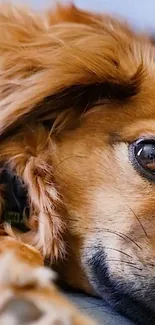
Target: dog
{"type": "Point", "coordinates": [77, 161]}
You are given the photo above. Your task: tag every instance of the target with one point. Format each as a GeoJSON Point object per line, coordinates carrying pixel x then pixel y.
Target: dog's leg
{"type": "Point", "coordinates": [27, 292]}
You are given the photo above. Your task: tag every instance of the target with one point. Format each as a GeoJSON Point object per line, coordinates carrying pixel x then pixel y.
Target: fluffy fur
{"type": "Point", "coordinates": [77, 88]}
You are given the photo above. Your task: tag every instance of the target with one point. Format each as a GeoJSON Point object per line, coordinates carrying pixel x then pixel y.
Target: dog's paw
{"type": "Point", "coordinates": [17, 311]}
{"type": "Point", "coordinates": [19, 274]}
{"type": "Point", "coordinates": [29, 296]}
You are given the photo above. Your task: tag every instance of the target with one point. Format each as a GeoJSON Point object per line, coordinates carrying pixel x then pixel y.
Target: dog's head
{"type": "Point", "coordinates": [78, 125]}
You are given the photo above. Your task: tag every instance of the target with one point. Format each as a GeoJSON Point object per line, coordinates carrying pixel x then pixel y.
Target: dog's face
{"type": "Point", "coordinates": [106, 175]}
{"type": "Point", "coordinates": [93, 82]}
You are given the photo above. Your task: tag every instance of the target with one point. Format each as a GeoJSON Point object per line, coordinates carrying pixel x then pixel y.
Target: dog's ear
{"type": "Point", "coordinates": [46, 69]}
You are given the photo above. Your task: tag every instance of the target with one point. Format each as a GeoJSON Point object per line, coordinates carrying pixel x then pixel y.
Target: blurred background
{"type": "Point", "coordinates": [141, 13]}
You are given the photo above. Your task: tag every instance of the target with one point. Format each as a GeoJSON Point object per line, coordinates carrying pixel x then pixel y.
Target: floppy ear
{"type": "Point", "coordinates": [45, 69]}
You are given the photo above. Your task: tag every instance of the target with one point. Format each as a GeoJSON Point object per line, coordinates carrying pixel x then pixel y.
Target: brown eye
{"type": "Point", "coordinates": [145, 154]}
{"type": "Point", "coordinates": [142, 155]}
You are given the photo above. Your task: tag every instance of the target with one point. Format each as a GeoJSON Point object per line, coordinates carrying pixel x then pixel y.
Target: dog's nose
{"type": "Point", "coordinates": [19, 311]}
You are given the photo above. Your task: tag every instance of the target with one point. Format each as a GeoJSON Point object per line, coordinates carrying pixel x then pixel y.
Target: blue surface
{"type": "Point", "coordinates": [140, 12]}
{"type": "Point", "coordinates": [98, 310]}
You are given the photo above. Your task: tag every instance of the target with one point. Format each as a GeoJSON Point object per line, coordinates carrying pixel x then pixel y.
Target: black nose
{"type": "Point", "coordinates": [22, 310]}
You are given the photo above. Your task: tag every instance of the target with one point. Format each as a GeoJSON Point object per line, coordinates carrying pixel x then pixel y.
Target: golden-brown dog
{"type": "Point", "coordinates": [77, 128]}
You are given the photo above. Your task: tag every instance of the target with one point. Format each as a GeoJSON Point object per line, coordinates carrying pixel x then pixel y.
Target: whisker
{"type": "Point", "coordinates": [123, 236]}
{"type": "Point", "coordinates": [139, 275]}
{"type": "Point", "coordinates": [138, 221]}
{"type": "Point", "coordinates": [120, 234]}
{"type": "Point", "coordinates": [117, 250]}
{"type": "Point", "coordinates": [125, 262]}
{"type": "Point", "coordinates": [67, 158]}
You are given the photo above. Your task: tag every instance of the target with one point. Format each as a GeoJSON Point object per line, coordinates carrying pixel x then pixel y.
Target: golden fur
{"type": "Point", "coordinates": [75, 89]}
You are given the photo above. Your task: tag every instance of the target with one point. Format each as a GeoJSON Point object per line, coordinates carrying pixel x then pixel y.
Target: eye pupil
{"type": "Point", "coordinates": [142, 157]}
{"type": "Point", "coordinates": [145, 155]}
{"type": "Point", "coordinates": [147, 152]}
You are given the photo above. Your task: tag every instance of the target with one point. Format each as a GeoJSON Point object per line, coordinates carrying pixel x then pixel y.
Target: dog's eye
{"type": "Point", "coordinates": [142, 154]}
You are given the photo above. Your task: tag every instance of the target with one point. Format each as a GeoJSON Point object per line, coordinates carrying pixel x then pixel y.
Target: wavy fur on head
{"type": "Point", "coordinates": [41, 56]}
{"type": "Point", "coordinates": [53, 68]}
